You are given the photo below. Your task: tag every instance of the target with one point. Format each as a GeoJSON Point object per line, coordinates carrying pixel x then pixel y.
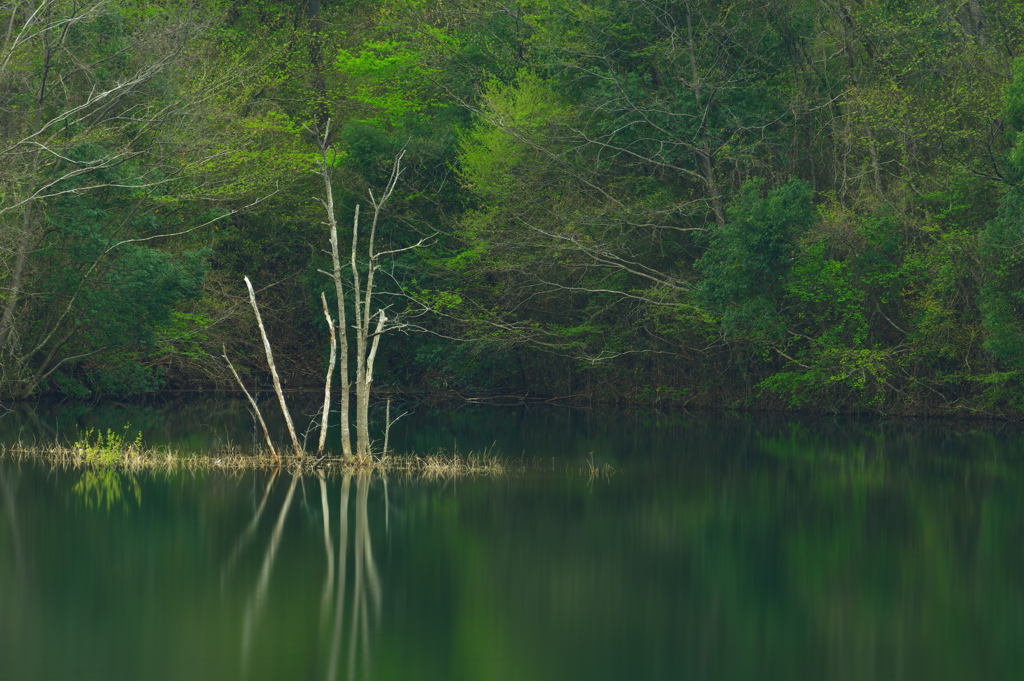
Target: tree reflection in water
{"type": "Point", "coordinates": [8, 487]}
{"type": "Point", "coordinates": [365, 605]}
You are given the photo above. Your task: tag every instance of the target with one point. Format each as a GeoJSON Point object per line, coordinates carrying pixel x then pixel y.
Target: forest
{"type": "Point", "coordinates": [792, 204]}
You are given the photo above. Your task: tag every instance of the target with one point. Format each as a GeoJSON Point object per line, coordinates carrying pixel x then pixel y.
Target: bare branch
{"type": "Point", "coordinates": [273, 371]}
{"type": "Point", "coordinates": [255, 408]}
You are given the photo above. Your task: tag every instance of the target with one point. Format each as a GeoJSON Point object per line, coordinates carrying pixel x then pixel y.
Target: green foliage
{"type": "Point", "coordinates": [99, 264]}
{"type": "Point", "coordinates": [680, 88]}
{"type": "Point", "coordinates": [795, 203]}
{"type": "Point", "coordinates": [390, 78]}
{"type": "Point", "coordinates": [1002, 298]}
{"type": "Point", "coordinates": [1001, 391]}
{"type": "Point", "coordinates": [1013, 114]}
{"type": "Point", "coordinates": [470, 367]}
{"type": "Point", "coordinates": [836, 378]}
{"type": "Point", "coordinates": [109, 449]}
{"type": "Point", "coordinates": [500, 142]}
{"type": "Point", "coordinates": [748, 259]}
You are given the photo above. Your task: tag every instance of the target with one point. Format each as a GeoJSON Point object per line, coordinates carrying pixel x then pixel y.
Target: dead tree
{"type": "Point", "coordinates": [368, 323]}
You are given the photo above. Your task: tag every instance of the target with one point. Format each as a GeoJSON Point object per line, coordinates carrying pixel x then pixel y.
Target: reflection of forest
{"type": "Point", "coordinates": [8, 490]}
{"type": "Point", "coordinates": [189, 423]}
{"type": "Point", "coordinates": [366, 587]}
{"type": "Point", "coordinates": [798, 556]}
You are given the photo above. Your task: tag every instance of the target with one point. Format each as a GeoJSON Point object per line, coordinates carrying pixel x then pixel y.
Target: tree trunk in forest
{"type": "Point", "coordinates": [13, 294]}
{"type": "Point", "coordinates": [712, 187]}
{"type": "Point", "coordinates": [321, 113]}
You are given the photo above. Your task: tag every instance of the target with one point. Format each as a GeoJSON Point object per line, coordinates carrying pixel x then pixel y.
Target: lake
{"type": "Point", "coordinates": [637, 545]}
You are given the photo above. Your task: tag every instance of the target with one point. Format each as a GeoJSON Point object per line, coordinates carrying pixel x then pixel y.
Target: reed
{"type": "Point", "coordinates": [107, 451]}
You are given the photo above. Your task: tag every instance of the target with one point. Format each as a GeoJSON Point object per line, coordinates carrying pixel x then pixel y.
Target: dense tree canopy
{"type": "Point", "coordinates": [791, 204]}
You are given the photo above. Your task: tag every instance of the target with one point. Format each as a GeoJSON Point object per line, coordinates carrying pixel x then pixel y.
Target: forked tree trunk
{"type": "Point", "coordinates": [335, 274]}
{"type": "Point", "coordinates": [367, 338]}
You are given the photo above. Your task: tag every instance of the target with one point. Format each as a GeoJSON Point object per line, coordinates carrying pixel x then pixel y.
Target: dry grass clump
{"type": "Point", "coordinates": [108, 451]}
{"type": "Point", "coordinates": [130, 458]}
{"type": "Point", "coordinates": [445, 465]}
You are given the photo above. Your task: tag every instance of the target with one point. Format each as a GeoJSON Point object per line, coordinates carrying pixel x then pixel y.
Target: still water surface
{"type": "Point", "coordinates": [723, 547]}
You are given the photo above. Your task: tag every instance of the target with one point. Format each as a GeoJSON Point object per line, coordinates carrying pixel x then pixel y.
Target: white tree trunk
{"type": "Point", "coordinates": [362, 427]}
{"type": "Point", "coordinates": [327, 382]}
{"type": "Point", "coordinates": [367, 341]}
{"type": "Point", "coordinates": [335, 274]}
{"type": "Point", "coordinates": [255, 407]}
{"type": "Point", "coordinates": [273, 372]}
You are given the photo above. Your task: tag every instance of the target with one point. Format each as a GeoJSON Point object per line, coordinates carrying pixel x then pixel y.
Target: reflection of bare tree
{"type": "Point", "coordinates": [365, 569]}
{"type": "Point", "coordinates": [41, 427]}
{"type": "Point", "coordinates": [339, 604]}
{"type": "Point", "coordinates": [255, 605]}
{"type": "Point", "coordinates": [250, 531]}
{"type": "Point", "coordinates": [325, 599]}
{"type": "Point", "coordinates": [366, 587]}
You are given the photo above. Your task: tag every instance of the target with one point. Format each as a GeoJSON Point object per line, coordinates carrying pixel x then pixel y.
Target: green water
{"type": "Point", "coordinates": [721, 548]}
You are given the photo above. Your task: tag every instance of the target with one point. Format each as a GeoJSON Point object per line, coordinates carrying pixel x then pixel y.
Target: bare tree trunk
{"type": "Point", "coordinates": [250, 530]}
{"type": "Point", "coordinates": [387, 428]}
{"type": "Point", "coordinates": [362, 434]}
{"type": "Point", "coordinates": [335, 274]}
{"type": "Point", "coordinates": [327, 382]}
{"type": "Point", "coordinates": [346, 384]}
{"type": "Point", "coordinates": [363, 404]}
{"type": "Point", "coordinates": [367, 342]}
{"type": "Point", "coordinates": [366, 589]}
{"type": "Point", "coordinates": [254, 606]}
{"type": "Point", "coordinates": [255, 407]}
{"type": "Point", "coordinates": [365, 359]}
{"type": "Point", "coordinates": [273, 372]}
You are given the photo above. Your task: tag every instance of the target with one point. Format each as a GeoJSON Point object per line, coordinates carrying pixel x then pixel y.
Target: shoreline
{"type": "Point", "coordinates": [133, 458]}
{"type": "Point", "coordinates": [575, 401]}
